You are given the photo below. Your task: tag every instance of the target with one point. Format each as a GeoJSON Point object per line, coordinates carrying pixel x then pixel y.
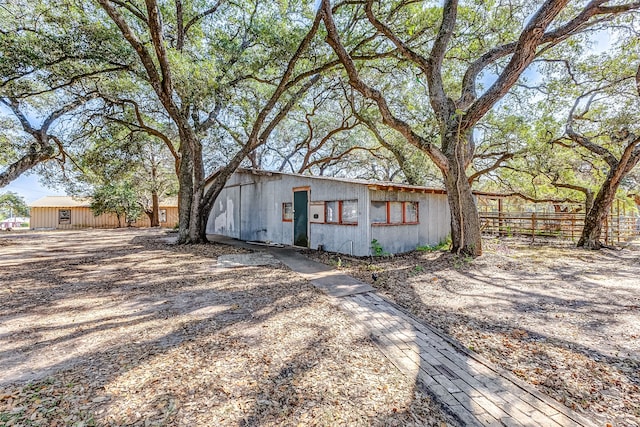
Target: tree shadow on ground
{"type": "Point", "coordinates": [551, 323]}
{"type": "Point", "coordinates": [182, 345]}
{"type": "Point", "coordinates": [545, 358]}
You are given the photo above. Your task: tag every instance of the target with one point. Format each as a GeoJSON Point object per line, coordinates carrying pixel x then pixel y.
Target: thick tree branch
{"type": "Point", "coordinates": [524, 54]}
{"type": "Point", "coordinates": [358, 84]}
{"type": "Point", "coordinates": [540, 200]}
{"type": "Point", "coordinates": [254, 136]}
{"type": "Point", "coordinates": [503, 158]}
{"type": "Point", "coordinates": [155, 29]}
{"type": "Point", "coordinates": [439, 100]}
{"type": "Point", "coordinates": [553, 37]}
{"type": "Point", "coordinates": [138, 46]}
{"type": "Point", "coordinates": [585, 142]}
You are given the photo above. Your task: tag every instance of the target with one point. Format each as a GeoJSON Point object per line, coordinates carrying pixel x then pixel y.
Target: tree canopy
{"type": "Point", "coordinates": [12, 205]}
{"type": "Point", "coordinates": [472, 94]}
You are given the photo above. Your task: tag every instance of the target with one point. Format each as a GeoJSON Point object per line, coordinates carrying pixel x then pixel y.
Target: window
{"type": "Point", "coordinates": [287, 212]}
{"type": "Point", "coordinates": [395, 213]}
{"type": "Point", "coordinates": [341, 212]}
{"type": "Point", "coordinates": [378, 212]}
{"type": "Point", "coordinates": [163, 215]}
{"type": "Point", "coordinates": [349, 212]}
{"type": "Point", "coordinates": [64, 216]}
{"type": "Point", "coordinates": [331, 212]}
{"type": "Point", "coordinates": [392, 213]}
{"type": "Point", "coordinates": [411, 212]}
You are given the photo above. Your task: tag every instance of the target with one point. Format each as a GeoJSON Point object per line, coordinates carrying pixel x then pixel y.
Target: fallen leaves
{"type": "Point", "coordinates": [536, 310]}
{"type": "Point", "coordinates": [160, 338]}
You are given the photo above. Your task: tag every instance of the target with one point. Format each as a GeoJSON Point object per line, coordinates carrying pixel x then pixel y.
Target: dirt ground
{"type": "Point", "coordinates": [117, 327]}
{"type": "Point", "coordinates": [564, 319]}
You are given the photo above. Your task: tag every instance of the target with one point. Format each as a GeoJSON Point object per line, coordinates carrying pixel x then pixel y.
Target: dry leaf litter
{"type": "Point", "coordinates": [565, 320]}
{"type": "Point", "coordinates": [117, 327]}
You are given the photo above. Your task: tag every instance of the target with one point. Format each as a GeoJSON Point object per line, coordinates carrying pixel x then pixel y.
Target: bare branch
{"type": "Point", "coordinates": [388, 117]}
{"type": "Point", "coordinates": [133, 9]}
{"type": "Point", "coordinates": [503, 158]}
{"type": "Point", "coordinates": [524, 53]}
{"type": "Point", "coordinates": [201, 15]}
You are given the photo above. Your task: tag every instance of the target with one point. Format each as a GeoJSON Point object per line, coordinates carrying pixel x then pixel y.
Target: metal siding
{"type": "Point", "coordinates": [259, 214]}
{"type": "Point", "coordinates": [224, 217]}
{"type": "Point", "coordinates": [253, 214]}
{"type": "Point", "coordinates": [433, 226]}
{"type": "Point", "coordinates": [83, 217]}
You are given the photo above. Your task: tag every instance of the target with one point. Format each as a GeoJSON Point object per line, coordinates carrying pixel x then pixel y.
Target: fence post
{"type": "Point", "coordinates": [533, 227]}
{"type": "Point", "coordinates": [618, 218]}
{"type": "Point", "coordinates": [500, 220]}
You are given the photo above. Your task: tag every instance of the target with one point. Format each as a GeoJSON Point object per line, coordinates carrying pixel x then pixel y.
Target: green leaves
{"type": "Point", "coordinates": [118, 198]}
{"type": "Point", "coordinates": [11, 204]}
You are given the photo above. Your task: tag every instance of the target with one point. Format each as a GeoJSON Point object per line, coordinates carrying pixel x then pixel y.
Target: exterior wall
{"type": "Point", "coordinates": [83, 217]}
{"type": "Point", "coordinates": [250, 208]}
{"type": "Point", "coordinates": [434, 222]}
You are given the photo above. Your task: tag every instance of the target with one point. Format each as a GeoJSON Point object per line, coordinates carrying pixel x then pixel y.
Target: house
{"type": "Point", "coordinates": [334, 214]}
{"type": "Point", "coordinates": [64, 212]}
{"type": "Point", "coordinates": [14, 222]}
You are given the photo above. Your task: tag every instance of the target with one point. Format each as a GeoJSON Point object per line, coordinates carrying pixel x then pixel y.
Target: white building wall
{"type": "Point", "coordinates": [433, 226]}
{"type": "Point", "coordinates": [250, 208]}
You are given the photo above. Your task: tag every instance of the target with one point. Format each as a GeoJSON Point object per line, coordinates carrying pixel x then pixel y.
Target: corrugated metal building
{"type": "Point", "coordinates": [339, 215]}
{"type": "Point", "coordinates": [64, 212]}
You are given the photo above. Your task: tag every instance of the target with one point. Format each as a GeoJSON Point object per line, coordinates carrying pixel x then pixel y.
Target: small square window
{"type": "Point", "coordinates": [349, 212]}
{"type": "Point", "coordinates": [287, 211]}
{"type": "Point", "coordinates": [64, 216]}
{"type": "Point", "coordinates": [331, 212]}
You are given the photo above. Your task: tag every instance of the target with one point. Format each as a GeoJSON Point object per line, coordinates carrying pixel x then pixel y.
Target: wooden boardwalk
{"type": "Point", "coordinates": [468, 388]}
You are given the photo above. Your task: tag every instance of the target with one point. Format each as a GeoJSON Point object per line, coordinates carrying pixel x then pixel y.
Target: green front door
{"type": "Point", "coordinates": [301, 218]}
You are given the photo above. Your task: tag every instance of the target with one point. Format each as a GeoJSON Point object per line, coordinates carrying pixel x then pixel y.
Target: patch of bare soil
{"type": "Point", "coordinates": [564, 319]}
{"type": "Point", "coordinates": [116, 327]}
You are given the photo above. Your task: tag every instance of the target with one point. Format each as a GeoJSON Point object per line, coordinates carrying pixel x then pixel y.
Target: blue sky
{"type": "Point", "coordinates": [29, 187]}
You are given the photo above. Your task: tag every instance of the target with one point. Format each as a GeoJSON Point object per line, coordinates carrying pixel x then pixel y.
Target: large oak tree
{"type": "Point", "coordinates": [469, 56]}
{"type": "Point", "coordinates": [195, 58]}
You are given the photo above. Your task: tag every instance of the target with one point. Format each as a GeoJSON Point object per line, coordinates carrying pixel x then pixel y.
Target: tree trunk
{"type": "Point", "coordinates": [155, 209]}
{"type": "Point", "coordinates": [466, 237]}
{"type": "Point", "coordinates": [197, 224]}
{"type": "Point", "coordinates": [185, 194]}
{"type": "Point", "coordinates": [191, 181]}
{"type": "Point", "coordinates": [590, 238]}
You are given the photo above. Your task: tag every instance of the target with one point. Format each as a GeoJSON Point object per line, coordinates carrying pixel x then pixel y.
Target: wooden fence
{"type": "Point", "coordinates": [616, 228]}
